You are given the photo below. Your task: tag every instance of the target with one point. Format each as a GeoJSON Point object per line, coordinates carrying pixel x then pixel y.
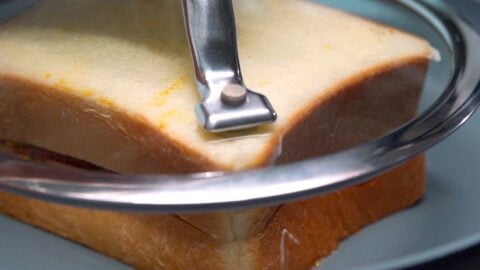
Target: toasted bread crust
{"type": "Point", "coordinates": [298, 235]}
{"type": "Point", "coordinates": [116, 140]}
{"type": "Point", "coordinates": [360, 109]}
{"type": "Point", "coordinates": [331, 218]}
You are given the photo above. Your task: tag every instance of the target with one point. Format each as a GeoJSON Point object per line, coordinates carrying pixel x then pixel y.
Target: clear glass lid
{"type": "Point", "coordinates": [448, 95]}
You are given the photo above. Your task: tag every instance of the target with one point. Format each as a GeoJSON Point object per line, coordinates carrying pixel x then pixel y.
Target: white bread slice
{"type": "Point", "coordinates": [121, 83]}
{"type": "Point", "coordinates": [126, 63]}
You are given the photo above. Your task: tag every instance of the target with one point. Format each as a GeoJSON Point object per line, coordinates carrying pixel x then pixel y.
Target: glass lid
{"type": "Point", "coordinates": [445, 90]}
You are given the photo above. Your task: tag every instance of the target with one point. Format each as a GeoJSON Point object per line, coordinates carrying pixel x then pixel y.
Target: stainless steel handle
{"type": "Point", "coordinates": [212, 34]}
{"type": "Point", "coordinates": [226, 103]}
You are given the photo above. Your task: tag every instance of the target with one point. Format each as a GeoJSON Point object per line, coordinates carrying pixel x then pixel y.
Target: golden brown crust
{"type": "Point", "coordinates": [298, 235]}
{"type": "Point", "coordinates": [333, 217]}
{"type": "Point", "coordinates": [116, 141]}
{"type": "Point", "coordinates": [353, 112]}
{"type": "Point", "coordinates": [143, 241]}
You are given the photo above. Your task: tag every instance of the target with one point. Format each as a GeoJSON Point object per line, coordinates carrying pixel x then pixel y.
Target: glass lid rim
{"type": "Point", "coordinates": [273, 185]}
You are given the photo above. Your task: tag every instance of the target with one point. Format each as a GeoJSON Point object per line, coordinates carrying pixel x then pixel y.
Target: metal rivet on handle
{"type": "Point", "coordinates": [234, 94]}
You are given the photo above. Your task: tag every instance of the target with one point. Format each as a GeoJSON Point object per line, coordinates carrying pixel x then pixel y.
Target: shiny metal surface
{"type": "Point", "coordinates": [212, 36]}
{"type": "Point", "coordinates": [212, 191]}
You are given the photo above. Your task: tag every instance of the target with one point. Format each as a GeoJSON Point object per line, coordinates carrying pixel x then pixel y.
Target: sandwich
{"type": "Point", "coordinates": [109, 85]}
